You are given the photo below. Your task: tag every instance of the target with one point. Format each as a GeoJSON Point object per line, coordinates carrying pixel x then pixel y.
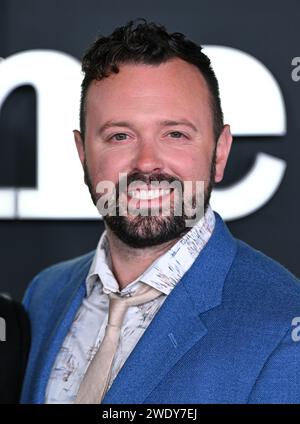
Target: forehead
{"type": "Point", "coordinates": [173, 85]}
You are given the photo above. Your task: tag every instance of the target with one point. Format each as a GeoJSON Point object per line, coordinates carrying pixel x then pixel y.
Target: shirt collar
{"type": "Point", "coordinates": [165, 272]}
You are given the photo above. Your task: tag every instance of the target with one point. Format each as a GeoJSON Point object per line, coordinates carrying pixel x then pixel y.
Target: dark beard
{"type": "Point", "coordinates": [145, 231]}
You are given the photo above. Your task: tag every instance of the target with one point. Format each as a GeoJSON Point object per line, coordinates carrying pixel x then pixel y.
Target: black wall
{"type": "Point", "coordinates": [267, 30]}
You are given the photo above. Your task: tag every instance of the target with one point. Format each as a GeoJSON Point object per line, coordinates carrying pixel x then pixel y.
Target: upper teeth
{"type": "Point", "coordinates": [147, 194]}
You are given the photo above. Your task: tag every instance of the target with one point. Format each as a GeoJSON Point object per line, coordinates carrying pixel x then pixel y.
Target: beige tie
{"type": "Point", "coordinates": [95, 382]}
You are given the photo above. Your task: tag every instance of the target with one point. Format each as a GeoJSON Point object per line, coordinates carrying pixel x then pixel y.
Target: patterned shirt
{"type": "Point", "coordinates": [88, 328]}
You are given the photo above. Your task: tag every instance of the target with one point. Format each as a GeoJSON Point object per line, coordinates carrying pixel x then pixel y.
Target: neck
{"type": "Point", "coordinates": [128, 262]}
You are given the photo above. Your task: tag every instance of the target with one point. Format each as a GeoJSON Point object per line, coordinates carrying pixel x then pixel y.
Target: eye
{"type": "Point", "coordinates": [177, 134]}
{"type": "Point", "coordinates": [119, 137]}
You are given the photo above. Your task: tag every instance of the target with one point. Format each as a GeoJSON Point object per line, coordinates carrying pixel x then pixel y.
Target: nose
{"type": "Point", "coordinates": [148, 158]}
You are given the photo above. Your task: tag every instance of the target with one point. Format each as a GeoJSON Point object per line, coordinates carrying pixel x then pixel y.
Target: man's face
{"type": "Point", "coordinates": [153, 123]}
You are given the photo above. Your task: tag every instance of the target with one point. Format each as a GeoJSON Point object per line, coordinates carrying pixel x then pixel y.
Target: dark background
{"type": "Point", "coordinates": [267, 30]}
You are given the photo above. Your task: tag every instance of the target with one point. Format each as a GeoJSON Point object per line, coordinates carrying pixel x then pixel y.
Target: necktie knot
{"type": "Point", "coordinates": [142, 295]}
{"type": "Point", "coordinates": [118, 305]}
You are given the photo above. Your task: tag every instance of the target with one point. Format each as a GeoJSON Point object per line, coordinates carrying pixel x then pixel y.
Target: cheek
{"type": "Point", "coordinates": [104, 165]}
{"type": "Point", "coordinates": [193, 167]}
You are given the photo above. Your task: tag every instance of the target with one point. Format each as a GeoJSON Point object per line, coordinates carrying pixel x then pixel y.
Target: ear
{"type": "Point", "coordinates": [79, 145]}
{"type": "Point", "coordinates": [222, 153]}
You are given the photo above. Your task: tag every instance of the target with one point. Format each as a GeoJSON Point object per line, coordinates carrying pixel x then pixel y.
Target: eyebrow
{"type": "Point", "coordinates": [185, 122]}
{"type": "Point", "coordinates": [165, 123]}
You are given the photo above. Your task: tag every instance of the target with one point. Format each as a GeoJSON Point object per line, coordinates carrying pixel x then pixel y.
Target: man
{"type": "Point", "coordinates": [14, 347]}
{"type": "Point", "coordinates": [216, 326]}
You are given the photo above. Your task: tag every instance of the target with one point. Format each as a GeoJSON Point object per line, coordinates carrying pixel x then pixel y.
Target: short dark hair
{"type": "Point", "coordinates": [140, 42]}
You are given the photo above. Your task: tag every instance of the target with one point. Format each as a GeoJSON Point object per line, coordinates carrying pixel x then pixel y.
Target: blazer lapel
{"type": "Point", "coordinates": [177, 326]}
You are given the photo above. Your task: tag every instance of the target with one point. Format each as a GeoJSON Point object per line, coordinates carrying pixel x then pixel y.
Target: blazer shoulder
{"type": "Point", "coordinates": [264, 280]}
{"type": "Point", "coordinates": [59, 274]}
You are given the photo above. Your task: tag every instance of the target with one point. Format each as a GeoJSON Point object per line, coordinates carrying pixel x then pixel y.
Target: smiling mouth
{"type": "Point", "coordinates": [149, 194]}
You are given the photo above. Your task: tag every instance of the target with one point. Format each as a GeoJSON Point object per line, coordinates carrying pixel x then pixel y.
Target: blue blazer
{"type": "Point", "coordinates": [223, 335]}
